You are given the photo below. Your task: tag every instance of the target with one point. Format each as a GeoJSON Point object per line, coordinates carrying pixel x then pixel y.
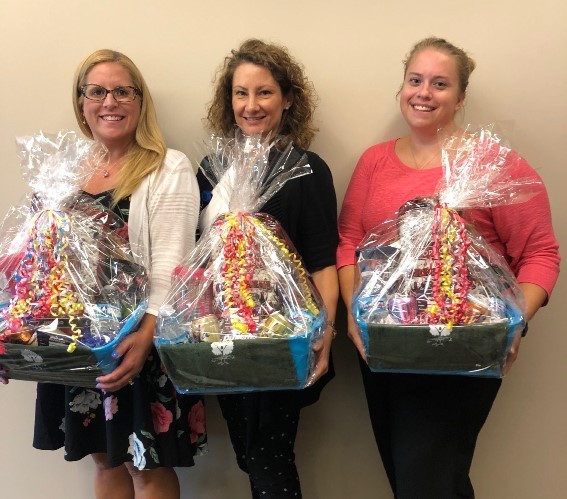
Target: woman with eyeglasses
{"type": "Point", "coordinates": [133, 425]}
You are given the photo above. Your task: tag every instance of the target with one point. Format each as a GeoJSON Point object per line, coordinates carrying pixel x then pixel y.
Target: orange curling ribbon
{"type": "Point", "coordinates": [238, 270]}
{"type": "Point", "coordinates": [450, 274]}
{"type": "Point", "coordinates": [43, 286]}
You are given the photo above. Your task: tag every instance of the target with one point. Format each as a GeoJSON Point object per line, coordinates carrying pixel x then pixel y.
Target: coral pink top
{"type": "Point", "coordinates": [381, 184]}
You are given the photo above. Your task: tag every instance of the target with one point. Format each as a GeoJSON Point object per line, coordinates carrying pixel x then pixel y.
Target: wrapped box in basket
{"type": "Point", "coordinates": [432, 296]}
{"type": "Point", "coordinates": [242, 314]}
{"type": "Point", "coordinates": [70, 289]}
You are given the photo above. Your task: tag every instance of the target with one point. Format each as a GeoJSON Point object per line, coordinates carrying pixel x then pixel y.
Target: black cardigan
{"type": "Point", "coordinates": [306, 208]}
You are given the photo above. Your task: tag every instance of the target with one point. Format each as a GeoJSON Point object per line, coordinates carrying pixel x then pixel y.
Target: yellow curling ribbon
{"type": "Point", "coordinates": [49, 288]}
{"type": "Point", "coordinates": [450, 286]}
{"type": "Point", "coordinates": [286, 253]}
{"type": "Point", "coordinates": [237, 234]}
{"type": "Point", "coordinates": [238, 267]}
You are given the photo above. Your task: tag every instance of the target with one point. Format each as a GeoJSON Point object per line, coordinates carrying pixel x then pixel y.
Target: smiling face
{"type": "Point", "coordinates": [112, 123]}
{"type": "Point", "coordinates": [257, 100]}
{"type": "Point", "coordinates": [430, 95]}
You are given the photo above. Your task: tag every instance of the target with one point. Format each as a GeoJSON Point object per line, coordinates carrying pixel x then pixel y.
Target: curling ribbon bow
{"type": "Point", "coordinates": [43, 287]}
{"type": "Point", "coordinates": [239, 264]}
{"type": "Point", "coordinates": [450, 274]}
{"type": "Point", "coordinates": [238, 270]}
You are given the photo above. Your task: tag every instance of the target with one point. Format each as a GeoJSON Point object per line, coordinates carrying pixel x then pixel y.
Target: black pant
{"type": "Point", "coordinates": [262, 428]}
{"type": "Point", "coordinates": [426, 427]}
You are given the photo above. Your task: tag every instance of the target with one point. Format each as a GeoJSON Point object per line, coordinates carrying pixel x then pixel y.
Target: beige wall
{"type": "Point", "coordinates": [352, 51]}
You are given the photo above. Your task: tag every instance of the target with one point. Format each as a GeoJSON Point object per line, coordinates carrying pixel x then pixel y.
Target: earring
{"type": "Point", "coordinates": [287, 107]}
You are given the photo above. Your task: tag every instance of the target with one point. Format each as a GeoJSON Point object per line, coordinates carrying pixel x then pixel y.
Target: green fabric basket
{"type": "Point", "coordinates": [52, 364]}
{"type": "Point", "coordinates": [241, 365]}
{"type": "Point", "coordinates": [477, 350]}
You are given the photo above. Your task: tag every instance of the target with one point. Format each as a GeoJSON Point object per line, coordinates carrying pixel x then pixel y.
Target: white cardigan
{"type": "Point", "coordinates": [162, 222]}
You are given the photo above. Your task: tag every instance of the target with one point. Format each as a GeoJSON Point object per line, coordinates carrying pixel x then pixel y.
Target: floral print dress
{"type": "Point", "coordinates": [147, 422]}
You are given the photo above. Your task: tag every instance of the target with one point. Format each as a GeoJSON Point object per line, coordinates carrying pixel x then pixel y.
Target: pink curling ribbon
{"type": "Point", "coordinates": [239, 264]}
{"type": "Point", "coordinates": [238, 271]}
{"type": "Point", "coordinates": [43, 287]}
{"type": "Point", "coordinates": [449, 270]}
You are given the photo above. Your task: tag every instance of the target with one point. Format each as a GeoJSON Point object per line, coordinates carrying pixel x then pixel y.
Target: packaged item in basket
{"type": "Point", "coordinates": [432, 296]}
{"type": "Point", "coordinates": [242, 313]}
{"type": "Point", "coordinates": [71, 288]}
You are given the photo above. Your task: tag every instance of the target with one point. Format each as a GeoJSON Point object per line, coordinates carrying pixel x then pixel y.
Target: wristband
{"type": "Point", "coordinates": [525, 330]}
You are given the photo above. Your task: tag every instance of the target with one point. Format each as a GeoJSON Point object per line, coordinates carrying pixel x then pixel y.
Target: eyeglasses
{"type": "Point", "coordinates": [120, 94]}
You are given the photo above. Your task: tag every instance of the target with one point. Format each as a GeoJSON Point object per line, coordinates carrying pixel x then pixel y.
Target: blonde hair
{"type": "Point", "coordinates": [297, 121]}
{"type": "Point", "coordinates": [148, 150]}
{"type": "Point", "coordinates": [465, 64]}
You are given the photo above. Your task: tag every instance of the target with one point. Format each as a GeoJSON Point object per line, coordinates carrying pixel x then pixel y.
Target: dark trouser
{"type": "Point", "coordinates": [262, 428]}
{"type": "Point", "coordinates": [426, 428]}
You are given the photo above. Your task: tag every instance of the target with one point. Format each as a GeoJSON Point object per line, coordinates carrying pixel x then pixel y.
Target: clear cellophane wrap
{"type": "Point", "coordinates": [70, 287]}
{"type": "Point", "coordinates": [242, 313]}
{"type": "Point", "coordinates": [432, 296]}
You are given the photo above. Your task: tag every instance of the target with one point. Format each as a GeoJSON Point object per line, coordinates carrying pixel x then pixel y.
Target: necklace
{"type": "Point", "coordinates": [108, 169]}
{"type": "Point", "coordinates": [423, 165]}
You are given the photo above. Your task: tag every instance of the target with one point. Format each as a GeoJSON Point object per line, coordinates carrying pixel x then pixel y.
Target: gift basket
{"type": "Point", "coordinates": [432, 296]}
{"type": "Point", "coordinates": [242, 314]}
{"type": "Point", "coordinates": [70, 289]}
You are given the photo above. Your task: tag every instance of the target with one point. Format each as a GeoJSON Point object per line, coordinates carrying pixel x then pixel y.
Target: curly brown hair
{"type": "Point", "coordinates": [297, 121]}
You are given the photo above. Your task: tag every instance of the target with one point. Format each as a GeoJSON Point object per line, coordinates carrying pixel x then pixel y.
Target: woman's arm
{"type": "Point", "coordinates": [346, 279]}
{"type": "Point", "coordinates": [523, 232]}
{"type": "Point", "coordinates": [133, 350]}
{"type": "Point", "coordinates": [172, 207]}
{"type": "Point", "coordinates": [534, 297]}
{"type": "Point", "coordinates": [317, 242]}
{"type": "Point", "coordinates": [351, 229]}
{"type": "Point", "coordinates": [327, 283]}
{"type": "Point", "coordinates": [526, 236]}
{"type": "Point", "coordinates": [351, 232]}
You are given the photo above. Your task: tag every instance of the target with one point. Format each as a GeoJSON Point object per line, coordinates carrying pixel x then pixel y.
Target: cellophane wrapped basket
{"type": "Point", "coordinates": [432, 296]}
{"type": "Point", "coordinates": [243, 313]}
{"type": "Point", "coordinates": [70, 289]}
